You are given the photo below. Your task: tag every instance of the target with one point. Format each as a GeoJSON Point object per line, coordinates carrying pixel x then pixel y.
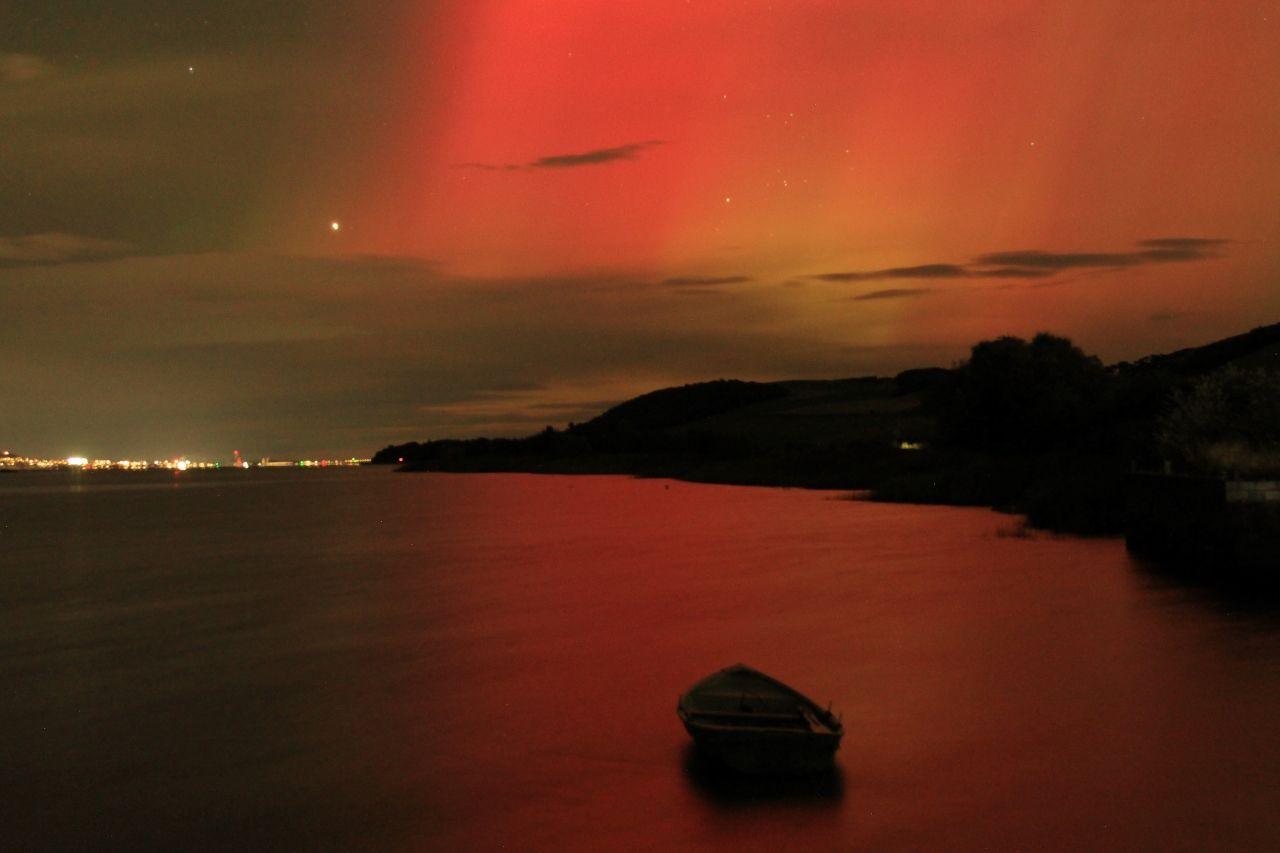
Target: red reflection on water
{"type": "Point", "coordinates": [994, 689]}
{"type": "Point", "coordinates": [355, 659]}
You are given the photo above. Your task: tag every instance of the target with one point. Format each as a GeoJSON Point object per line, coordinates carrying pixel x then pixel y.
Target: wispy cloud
{"type": "Point", "coordinates": [920, 271]}
{"type": "Point", "coordinates": [1011, 272]}
{"type": "Point", "coordinates": [1196, 243]}
{"type": "Point", "coordinates": [58, 248]}
{"type": "Point", "coordinates": [1159, 250]}
{"type": "Point", "coordinates": [593, 157]}
{"type": "Point", "coordinates": [590, 158]}
{"type": "Point", "coordinates": [894, 293]}
{"type": "Point", "coordinates": [706, 281]}
{"type": "Point", "coordinates": [1181, 248]}
{"type": "Point", "coordinates": [1038, 260]}
{"type": "Point", "coordinates": [1036, 263]}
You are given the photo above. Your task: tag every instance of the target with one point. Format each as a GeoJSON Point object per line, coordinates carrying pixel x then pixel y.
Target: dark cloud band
{"type": "Point", "coordinates": [706, 281]}
{"type": "Point", "coordinates": [921, 271]}
{"type": "Point", "coordinates": [894, 293]}
{"type": "Point", "coordinates": [1036, 263]}
{"type": "Point", "coordinates": [568, 161]}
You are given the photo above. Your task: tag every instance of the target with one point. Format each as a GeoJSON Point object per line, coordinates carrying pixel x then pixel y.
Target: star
{"type": "Point", "coordinates": [335, 225]}
{"type": "Point", "coordinates": [191, 69]}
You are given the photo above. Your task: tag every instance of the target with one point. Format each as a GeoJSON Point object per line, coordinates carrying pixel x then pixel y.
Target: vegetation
{"type": "Point", "coordinates": [1226, 422]}
{"type": "Point", "coordinates": [1038, 427]}
{"type": "Point", "coordinates": [1027, 426]}
{"type": "Point", "coordinates": [1015, 397]}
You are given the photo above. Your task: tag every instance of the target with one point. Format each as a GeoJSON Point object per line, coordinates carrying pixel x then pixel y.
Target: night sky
{"type": "Point", "coordinates": [317, 228]}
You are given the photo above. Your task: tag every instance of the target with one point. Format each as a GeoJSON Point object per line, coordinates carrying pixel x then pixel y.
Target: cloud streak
{"type": "Point", "coordinates": [706, 281]}
{"type": "Point", "coordinates": [1036, 263]}
{"type": "Point", "coordinates": [593, 157]}
{"type": "Point", "coordinates": [1189, 243]}
{"type": "Point", "coordinates": [590, 158]}
{"type": "Point", "coordinates": [894, 293]}
{"type": "Point", "coordinates": [920, 271]}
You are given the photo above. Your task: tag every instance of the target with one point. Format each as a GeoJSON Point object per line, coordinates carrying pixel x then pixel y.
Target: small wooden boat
{"type": "Point", "coordinates": [756, 724]}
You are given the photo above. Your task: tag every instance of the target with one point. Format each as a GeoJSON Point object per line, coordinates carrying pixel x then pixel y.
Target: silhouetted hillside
{"type": "Point", "coordinates": [1258, 347]}
{"type": "Point", "coordinates": [790, 429]}
{"type": "Point", "coordinates": [670, 407]}
{"type": "Point", "coordinates": [1035, 426]}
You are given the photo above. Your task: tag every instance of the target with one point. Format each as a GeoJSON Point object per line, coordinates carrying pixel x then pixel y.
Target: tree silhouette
{"type": "Point", "coordinates": [1012, 396]}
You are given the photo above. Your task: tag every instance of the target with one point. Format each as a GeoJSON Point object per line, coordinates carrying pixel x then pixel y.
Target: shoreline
{"type": "Point", "coordinates": [854, 493]}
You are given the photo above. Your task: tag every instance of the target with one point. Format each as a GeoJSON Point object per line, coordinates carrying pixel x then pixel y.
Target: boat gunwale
{"type": "Point", "coordinates": [807, 733]}
{"type": "Point", "coordinates": [834, 725]}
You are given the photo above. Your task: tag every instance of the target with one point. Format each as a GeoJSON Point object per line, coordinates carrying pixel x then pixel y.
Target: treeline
{"type": "Point", "coordinates": [1038, 427]}
{"type": "Point", "coordinates": [1033, 426]}
{"type": "Point", "coordinates": [1042, 428]}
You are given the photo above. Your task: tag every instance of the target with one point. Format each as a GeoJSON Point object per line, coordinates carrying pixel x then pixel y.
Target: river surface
{"type": "Point", "coordinates": [362, 659]}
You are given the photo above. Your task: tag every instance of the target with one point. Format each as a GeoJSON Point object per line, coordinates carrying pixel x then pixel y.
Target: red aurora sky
{"type": "Point", "coordinates": [545, 206]}
{"type": "Point", "coordinates": [798, 138]}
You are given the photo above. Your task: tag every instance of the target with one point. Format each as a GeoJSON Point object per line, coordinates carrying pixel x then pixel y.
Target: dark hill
{"type": "Point", "coordinates": [670, 407]}
{"type": "Point", "coordinates": [1258, 347]}
{"type": "Point", "coordinates": [889, 435]}
{"type": "Point", "coordinates": [706, 430]}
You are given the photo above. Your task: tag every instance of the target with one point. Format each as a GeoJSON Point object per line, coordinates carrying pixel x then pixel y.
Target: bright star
{"type": "Point", "coordinates": [335, 225]}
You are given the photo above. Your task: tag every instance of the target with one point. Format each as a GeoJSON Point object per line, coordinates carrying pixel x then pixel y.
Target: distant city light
{"type": "Point", "coordinates": [9, 461]}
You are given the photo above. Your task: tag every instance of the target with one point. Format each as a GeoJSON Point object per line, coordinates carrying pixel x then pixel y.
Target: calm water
{"type": "Point", "coordinates": [353, 659]}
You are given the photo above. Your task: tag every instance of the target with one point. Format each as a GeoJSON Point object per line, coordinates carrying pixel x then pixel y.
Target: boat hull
{"type": "Point", "coordinates": [770, 752]}
{"type": "Point", "coordinates": [748, 721]}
